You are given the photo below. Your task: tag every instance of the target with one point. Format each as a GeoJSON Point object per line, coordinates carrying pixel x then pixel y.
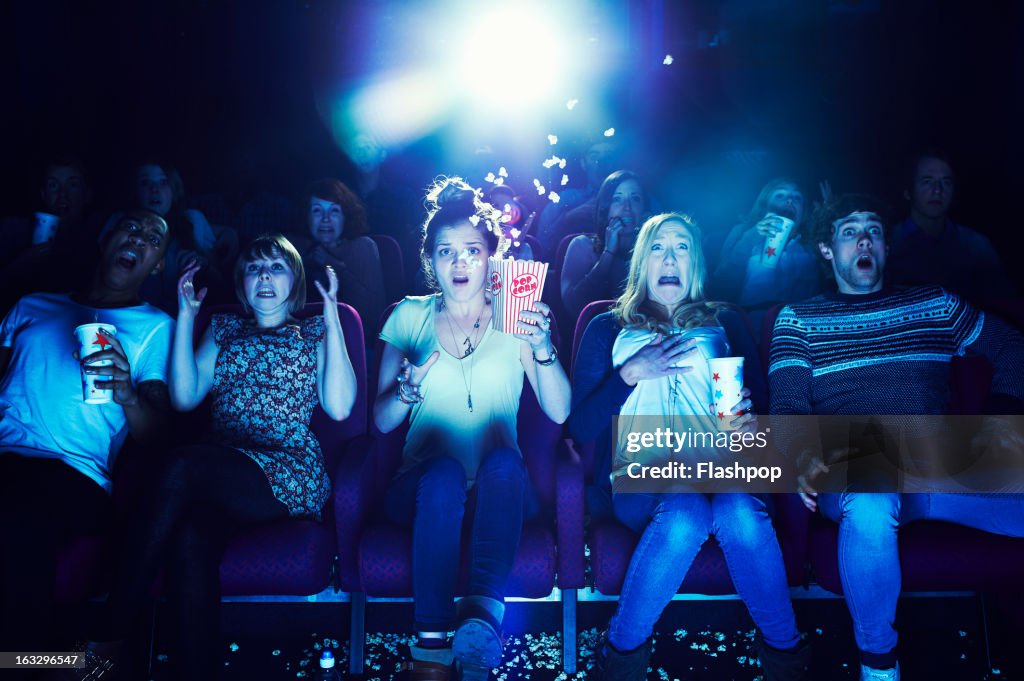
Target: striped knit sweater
{"type": "Point", "coordinates": [886, 353]}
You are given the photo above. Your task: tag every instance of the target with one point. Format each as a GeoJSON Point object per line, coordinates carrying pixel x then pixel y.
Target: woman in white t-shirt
{"type": "Point", "coordinates": [458, 382]}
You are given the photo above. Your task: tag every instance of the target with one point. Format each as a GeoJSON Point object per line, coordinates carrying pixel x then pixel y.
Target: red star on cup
{"type": "Point", "coordinates": [770, 251]}
{"type": "Point", "coordinates": [721, 415]}
{"type": "Point", "coordinates": [101, 341]}
{"type": "Point", "coordinates": [714, 377]}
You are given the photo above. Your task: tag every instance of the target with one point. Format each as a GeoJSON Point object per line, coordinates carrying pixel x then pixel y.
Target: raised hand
{"type": "Point", "coordinates": [613, 236]}
{"type": "Point", "coordinates": [188, 300]}
{"type": "Point", "coordinates": [658, 358]}
{"type": "Point", "coordinates": [330, 294]}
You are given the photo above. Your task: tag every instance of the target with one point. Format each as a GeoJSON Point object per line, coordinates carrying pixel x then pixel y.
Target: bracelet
{"type": "Point", "coordinates": [546, 362]}
{"type": "Point", "coordinates": [402, 396]}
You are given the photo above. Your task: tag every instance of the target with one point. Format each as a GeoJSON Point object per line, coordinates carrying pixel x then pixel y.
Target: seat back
{"type": "Point", "coordinates": [393, 265]}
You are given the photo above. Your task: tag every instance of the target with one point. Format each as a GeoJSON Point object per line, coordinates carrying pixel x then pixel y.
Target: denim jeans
{"type": "Point", "coordinates": [674, 527]}
{"type": "Point", "coordinates": [432, 498]}
{"type": "Point", "coordinates": [869, 565]}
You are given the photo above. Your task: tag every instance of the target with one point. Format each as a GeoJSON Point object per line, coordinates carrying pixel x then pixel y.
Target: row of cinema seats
{"type": "Point", "coordinates": [352, 552]}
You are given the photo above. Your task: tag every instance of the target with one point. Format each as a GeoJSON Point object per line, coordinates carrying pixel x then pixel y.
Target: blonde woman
{"type": "Point", "coordinates": [648, 356]}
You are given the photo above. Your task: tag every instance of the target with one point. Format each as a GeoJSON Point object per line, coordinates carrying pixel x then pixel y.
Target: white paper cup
{"type": "Point", "coordinates": [773, 245]}
{"type": "Point", "coordinates": [726, 388]}
{"type": "Point", "coordinates": [45, 229]}
{"type": "Point", "coordinates": [89, 341]}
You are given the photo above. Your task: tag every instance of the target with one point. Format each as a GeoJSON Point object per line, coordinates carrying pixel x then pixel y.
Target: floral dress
{"type": "Point", "coordinates": [264, 392]}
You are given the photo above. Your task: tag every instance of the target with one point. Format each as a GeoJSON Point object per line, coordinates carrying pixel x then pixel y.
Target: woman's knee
{"type": "Point", "coordinates": [741, 518]}
{"type": "Point", "coordinates": [502, 464]}
{"type": "Point", "coordinates": [870, 511]}
{"type": "Point", "coordinates": [683, 518]}
{"type": "Point", "coordinates": [442, 485]}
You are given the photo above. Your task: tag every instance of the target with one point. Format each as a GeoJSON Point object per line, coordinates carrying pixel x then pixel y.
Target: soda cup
{"type": "Point", "coordinates": [90, 340]}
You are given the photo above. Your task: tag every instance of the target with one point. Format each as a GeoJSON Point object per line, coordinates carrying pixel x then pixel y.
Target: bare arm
{"type": "Point", "coordinates": [336, 379]}
{"type": "Point", "coordinates": [393, 401]}
{"type": "Point", "coordinates": [549, 382]}
{"type": "Point", "coordinates": [191, 371]}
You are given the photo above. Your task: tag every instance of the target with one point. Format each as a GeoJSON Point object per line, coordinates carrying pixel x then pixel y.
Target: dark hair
{"type": "Point", "coordinates": [142, 215]}
{"type": "Point", "coordinates": [335, 191]}
{"type": "Point", "coordinates": [913, 161]}
{"type": "Point", "coordinates": [603, 204]}
{"type": "Point", "coordinates": [272, 246]}
{"type": "Point", "coordinates": [180, 226]}
{"type": "Point", "coordinates": [451, 200]}
{"type": "Point", "coordinates": [843, 205]}
{"type": "Point", "coordinates": [63, 161]}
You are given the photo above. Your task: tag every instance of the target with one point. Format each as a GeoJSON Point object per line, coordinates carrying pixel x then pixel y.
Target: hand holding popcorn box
{"type": "Point", "coordinates": [515, 285]}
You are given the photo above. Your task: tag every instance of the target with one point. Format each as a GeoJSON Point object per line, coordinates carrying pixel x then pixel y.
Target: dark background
{"type": "Point", "coordinates": [819, 89]}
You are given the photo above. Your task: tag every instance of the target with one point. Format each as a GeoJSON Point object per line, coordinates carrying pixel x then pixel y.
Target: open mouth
{"type": "Point", "coordinates": [669, 281]}
{"type": "Point", "coordinates": [127, 258]}
{"type": "Point", "coordinates": [460, 279]}
{"type": "Point", "coordinates": [266, 293]}
{"type": "Point", "coordinates": [865, 262]}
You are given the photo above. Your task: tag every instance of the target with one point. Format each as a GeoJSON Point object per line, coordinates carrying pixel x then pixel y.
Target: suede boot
{"type": "Point", "coordinates": [613, 665]}
{"type": "Point", "coordinates": [785, 665]}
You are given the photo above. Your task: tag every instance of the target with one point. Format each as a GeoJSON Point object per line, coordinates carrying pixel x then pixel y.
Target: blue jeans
{"type": "Point", "coordinates": [869, 564]}
{"type": "Point", "coordinates": [432, 498]}
{"type": "Point", "coordinates": [674, 527]}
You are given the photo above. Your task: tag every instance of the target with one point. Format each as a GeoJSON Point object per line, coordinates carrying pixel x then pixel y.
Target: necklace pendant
{"type": "Point", "coordinates": [469, 402]}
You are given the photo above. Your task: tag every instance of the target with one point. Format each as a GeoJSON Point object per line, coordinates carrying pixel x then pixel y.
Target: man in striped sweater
{"type": "Point", "coordinates": [871, 350]}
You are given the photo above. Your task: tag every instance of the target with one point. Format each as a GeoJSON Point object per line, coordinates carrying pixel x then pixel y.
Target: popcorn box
{"type": "Point", "coordinates": [515, 286]}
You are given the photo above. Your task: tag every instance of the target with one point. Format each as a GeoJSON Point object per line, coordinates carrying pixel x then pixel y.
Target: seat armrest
{"type": "Point", "coordinates": [569, 511]}
{"type": "Point", "coordinates": [354, 484]}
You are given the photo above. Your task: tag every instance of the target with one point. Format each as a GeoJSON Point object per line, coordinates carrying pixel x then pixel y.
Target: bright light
{"type": "Point", "coordinates": [512, 57]}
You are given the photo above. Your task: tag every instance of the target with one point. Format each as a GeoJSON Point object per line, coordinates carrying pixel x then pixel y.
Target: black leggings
{"type": "Point", "coordinates": [200, 496]}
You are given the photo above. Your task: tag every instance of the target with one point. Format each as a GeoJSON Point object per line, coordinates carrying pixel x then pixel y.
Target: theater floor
{"type": "Point", "coordinates": [942, 638]}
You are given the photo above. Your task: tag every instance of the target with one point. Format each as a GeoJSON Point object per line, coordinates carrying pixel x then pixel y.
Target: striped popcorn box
{"type": "Point", "coordinates": [515, 286]}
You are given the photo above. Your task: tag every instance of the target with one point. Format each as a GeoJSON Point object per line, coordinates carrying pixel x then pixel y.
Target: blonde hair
{"type": "Point", "coordinates": [634, 308]}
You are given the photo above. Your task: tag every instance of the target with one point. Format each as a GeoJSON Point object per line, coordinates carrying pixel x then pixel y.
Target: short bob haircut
{"type": "Point", "coordinates": [634, 308]}
{"type": "Point", "coordinates": [335, 191]}
{"type": "Point", "coordinates": [603, 204]}
{"type": "Point", "coordinates": [451, 200]}
{"type": "Point", "coordinates": [268, 246]}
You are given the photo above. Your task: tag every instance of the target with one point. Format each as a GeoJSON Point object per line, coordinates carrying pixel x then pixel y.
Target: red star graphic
{"type": "Point", "coordinates": [721, 415]}
{"type": "Point", "coordinates": [714, 377]}
{"type": "Point", "coordinates": [770, 251]}
{"type": "Point", "coordinates": [101, 341]}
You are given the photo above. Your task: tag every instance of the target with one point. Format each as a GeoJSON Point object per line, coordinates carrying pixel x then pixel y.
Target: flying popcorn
{"type": "Point", "coordinates": [571, 104]}
{"type": "Point", "coordinates": [610, 132]}
{"type": "Point", "coordinates": [668, 60]}
{"type": "Point", "coordinates": [565, 180]}
{"type": "Point", "coordinates": [553, 197]}
{"type": "Point", "coordinates": [552, 139]}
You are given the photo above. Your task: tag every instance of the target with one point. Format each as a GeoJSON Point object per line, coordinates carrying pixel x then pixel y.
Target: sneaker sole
{"type": "Point", "coordinates": [477, 646]}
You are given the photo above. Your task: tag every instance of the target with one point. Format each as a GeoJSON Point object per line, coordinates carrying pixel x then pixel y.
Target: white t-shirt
{"type": "Point", "coordinates": [442, 424]}
{"type": "Point", "coordinates": [42, 412]}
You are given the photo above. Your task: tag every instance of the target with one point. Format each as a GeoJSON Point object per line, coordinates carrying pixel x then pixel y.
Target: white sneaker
{"type": "Point", "coordinates": [872, 674]}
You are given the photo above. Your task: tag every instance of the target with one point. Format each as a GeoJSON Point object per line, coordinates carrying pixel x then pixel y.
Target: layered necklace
{"type": "Point", "coordinates": [467, 380]}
